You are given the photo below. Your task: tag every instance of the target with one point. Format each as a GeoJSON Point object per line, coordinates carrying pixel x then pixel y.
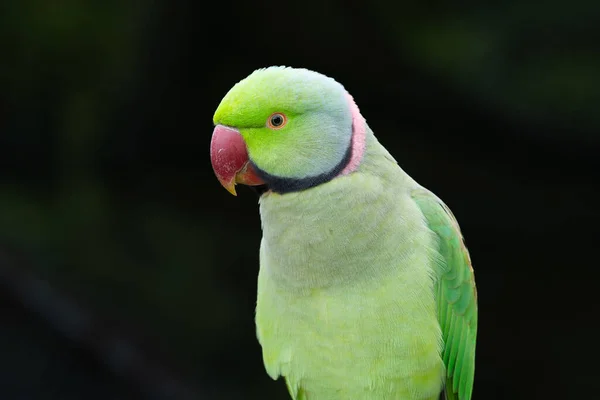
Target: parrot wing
{"type": "Point", "coordinates": [456, 296]}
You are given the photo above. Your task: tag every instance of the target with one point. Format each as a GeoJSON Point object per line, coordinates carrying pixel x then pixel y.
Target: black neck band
{"type": "Point", "coordinates": [287, 185]}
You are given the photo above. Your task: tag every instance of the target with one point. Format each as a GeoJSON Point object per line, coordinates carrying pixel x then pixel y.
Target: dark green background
{"type": "Point", "coordinates": [107, 194]}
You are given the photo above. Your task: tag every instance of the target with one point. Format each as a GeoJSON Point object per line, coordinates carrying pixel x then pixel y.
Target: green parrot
{"type": "Point", "coordinates": [365, 286]}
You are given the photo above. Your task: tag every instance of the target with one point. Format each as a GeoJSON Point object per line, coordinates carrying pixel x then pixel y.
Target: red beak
{"type": "Point", "coordinates": [229, 158]}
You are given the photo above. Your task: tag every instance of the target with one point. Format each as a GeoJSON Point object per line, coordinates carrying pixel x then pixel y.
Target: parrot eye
{"type": "Point", "coordinates": [277, 121]}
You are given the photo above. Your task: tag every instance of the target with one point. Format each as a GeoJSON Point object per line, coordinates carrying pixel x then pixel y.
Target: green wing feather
{"type": "Point", "coordinates": [456, 297]}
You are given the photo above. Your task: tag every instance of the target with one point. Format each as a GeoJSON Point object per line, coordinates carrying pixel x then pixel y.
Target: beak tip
{"type": "Point", "coordinates": [229, 185]}
{"type": "Point", "coordinates": [232, 190]}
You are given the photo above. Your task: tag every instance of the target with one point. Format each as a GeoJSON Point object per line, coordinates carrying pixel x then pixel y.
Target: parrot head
{"type": "Point", "coordinates": [285, 129]}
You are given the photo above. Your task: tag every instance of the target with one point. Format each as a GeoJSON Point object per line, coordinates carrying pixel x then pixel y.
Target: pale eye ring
{"type": "Point", "coordinates": [276, 121]}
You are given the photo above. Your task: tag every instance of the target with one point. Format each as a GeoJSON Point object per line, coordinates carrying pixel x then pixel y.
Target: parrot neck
{"type": "Point", "coordinates": [283, 185]}
{"type": "Point", "coordinates": [347, 230]}
{"type": "Point", "coordinates": [349, 163]}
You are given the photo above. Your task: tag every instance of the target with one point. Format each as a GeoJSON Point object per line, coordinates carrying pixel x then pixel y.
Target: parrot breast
{"type": "Point", "coordinates": [346, 308]}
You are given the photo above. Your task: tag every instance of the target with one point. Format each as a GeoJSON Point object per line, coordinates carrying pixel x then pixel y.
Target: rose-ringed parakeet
{"type": "Point", "coordinates": [365, 286]}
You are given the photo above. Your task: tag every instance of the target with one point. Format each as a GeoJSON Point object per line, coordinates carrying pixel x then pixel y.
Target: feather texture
{"type": "Point", "coordinates": [346, 301]}
{"type": "Point", "coordinates": [456, 296]}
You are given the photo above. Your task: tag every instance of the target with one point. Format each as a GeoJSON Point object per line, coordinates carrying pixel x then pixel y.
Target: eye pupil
{"type": "Point", "coordinates": [276, 120]}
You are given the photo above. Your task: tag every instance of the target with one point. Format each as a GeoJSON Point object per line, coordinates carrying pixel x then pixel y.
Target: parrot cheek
{"type": "Point", "coordinates": [229, 159]}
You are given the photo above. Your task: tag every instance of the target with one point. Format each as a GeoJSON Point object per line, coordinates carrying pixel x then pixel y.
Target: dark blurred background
{"type": "Point", "coordinates": [127, 272]}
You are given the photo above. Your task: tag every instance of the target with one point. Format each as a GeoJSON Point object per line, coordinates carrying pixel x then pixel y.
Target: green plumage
{"type": "Point", "coordinates": [365, 287]}
{"type": "Point", "coordinates": [456, 297]}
